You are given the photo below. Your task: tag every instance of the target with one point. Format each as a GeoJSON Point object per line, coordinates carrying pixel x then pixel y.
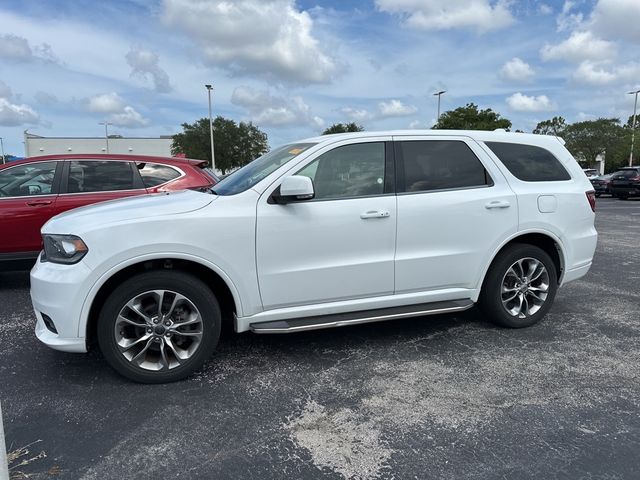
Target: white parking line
{"type": "Point", "coordinates": [4, 465]}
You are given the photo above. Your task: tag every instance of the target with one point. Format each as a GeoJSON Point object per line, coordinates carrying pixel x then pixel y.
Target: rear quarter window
{"type": "Point", "coordinates": [529, 163]}
{"type": "Point", "coordinates": [154, 174]}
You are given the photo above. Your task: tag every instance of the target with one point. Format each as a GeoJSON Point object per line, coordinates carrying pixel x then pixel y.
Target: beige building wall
{"type": "Point", "coordinates": [35, 145]}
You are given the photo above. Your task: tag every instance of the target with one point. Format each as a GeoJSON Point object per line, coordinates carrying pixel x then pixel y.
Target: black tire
{"type": "Point", "coordinates": [491, 301]}
{"type": "Point", "coordinates": [623, 197]}
{"type": "Point", "coordinates": [195, 291]}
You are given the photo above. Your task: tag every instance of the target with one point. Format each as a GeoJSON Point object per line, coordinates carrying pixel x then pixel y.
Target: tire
{"type": "Point", "coordinates": [537, 290]}
{"type": "Point", "coordinates": [623, 197]}
{"type": "Point", "coordinates": [173, 318]}
{"type": "Point", "coordinates": [598, 195]}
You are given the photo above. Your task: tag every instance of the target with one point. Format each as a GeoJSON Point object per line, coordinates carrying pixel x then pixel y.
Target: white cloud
{"type": "Point", "coordinates": [617, 19]}
{"type": "Point", "coordinates": [545, 9]}
{"type": "Point", "coordinates": [516, 70]}
{"type": "Point", "coordinates": [566, 19]}
{"type": "Point", "coordinates": [271, 38]}
{"type": "Point", "coordinates": [395, 108]}
{"type": "Point", "coordinates": [524, 103]}
{"type": "Point", "coordinates": [106, 103]}
{"type": "Point", "coordinates": [356, 114]}
{"type": "Point", "coordinates": [269, 110]}
{"type": "Point", "coordinates": [592, 73]}
{"type": "Point", "coordinates": [118, 112]}
{"type": "Point", "coordinates": [5, 90]}
{"type": "Point", "coordinates": [145, 63]}
{"type": "Point", "coordinates": [580, 46]}
{"type": "Point", "coordinates": [17, 49]}
{"type": "Point", "coordinates": [128, 118]}
{"type": "Point", "coordinates": [13, 115]}
{"type": "Point", "coordinates": [483, 15]}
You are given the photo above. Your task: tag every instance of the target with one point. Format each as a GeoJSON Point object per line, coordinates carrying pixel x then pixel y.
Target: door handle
{"type": "Point", "coordinates": [497, 204]}
{"type": "Point", "coordinates": [39, 203]}
{"type": "Point", "coordinates": [374, 214]}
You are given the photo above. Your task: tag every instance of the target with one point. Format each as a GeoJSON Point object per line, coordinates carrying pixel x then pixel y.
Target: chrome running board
{"type": "Point", "coordinates": [355, 318]}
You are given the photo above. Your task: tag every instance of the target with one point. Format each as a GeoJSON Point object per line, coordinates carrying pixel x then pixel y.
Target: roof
{"type": "Point", "coordinates": [105, 156]}
{"type": "Point", "coordinates": [481, 135]}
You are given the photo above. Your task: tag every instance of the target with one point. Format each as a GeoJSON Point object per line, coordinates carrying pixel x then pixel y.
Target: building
{"type": "Point", "coordinates": [35, 145]}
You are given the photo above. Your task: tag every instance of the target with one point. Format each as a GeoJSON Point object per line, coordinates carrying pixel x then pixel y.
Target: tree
{"type": "Point", "coordinates": [556, 126]}
{"type": "Point", "coordinates": [589, 139]}
{"type": "Point", "coordinates": [470, 118]}
{"type": "Point", "coordinates": [236, 144]}
{"type": "Point", "coordinates": [343, 128]}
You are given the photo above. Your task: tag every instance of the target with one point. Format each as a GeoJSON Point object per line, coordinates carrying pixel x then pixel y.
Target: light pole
{"type": "Point", "coordinates": [633, 125]}
{"type": "Point", "coordinates": [2, 148]}
{"type": "Point", "coordinates": [439, 94]}
{"type": "Point", "coordinates": [106, 132]}
{"type": "Point", "coordinates": [213, 155]}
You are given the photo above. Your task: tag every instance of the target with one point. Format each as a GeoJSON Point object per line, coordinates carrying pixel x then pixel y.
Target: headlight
{"type": "Point", "coordinates": [65, 249]}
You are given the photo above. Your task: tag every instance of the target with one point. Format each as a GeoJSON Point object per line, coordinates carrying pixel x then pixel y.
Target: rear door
{"type": "Point", "coordinates": [90, 181]}
{"type": "Point", "coordinates": [453, 211]}
{"type": "Point", "coordinates": [28, 194]}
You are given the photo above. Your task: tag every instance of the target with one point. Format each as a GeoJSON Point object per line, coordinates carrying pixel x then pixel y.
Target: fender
{"type": "Point", "coordinates": [95, 288]}
{"type": "Point", "coordinates": [554, 237]}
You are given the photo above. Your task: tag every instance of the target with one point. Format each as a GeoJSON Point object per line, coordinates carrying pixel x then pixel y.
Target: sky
{"type": "Point", "coordinates": [294, 67]}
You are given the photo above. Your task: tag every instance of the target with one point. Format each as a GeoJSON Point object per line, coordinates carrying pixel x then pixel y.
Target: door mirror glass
{"type": "Point", "coordinates": [295, 188]}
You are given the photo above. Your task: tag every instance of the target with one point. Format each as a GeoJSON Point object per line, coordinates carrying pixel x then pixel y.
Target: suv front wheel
{"type": "Point", "coordinates": [520, 286]}
{"type": "Point", "coordinates": [159, 326]}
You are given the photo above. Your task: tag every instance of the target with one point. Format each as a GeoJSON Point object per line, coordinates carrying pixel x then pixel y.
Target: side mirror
{"type": "Point", "coordinates": [295, 188]}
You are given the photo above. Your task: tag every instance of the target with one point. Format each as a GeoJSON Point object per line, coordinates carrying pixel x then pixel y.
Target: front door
{"type": "Point", "coordinates": [28, 194]}
{"type": "Point", "coordinates": [339, 245]}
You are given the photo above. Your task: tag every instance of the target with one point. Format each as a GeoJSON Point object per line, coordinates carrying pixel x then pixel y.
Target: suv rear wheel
{"type": "Point", "coordinates": [520, 286]}
{"type": "Point", "coordinates": [159, 326]}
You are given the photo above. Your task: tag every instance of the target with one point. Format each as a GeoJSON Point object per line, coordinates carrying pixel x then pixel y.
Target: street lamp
{"type": "Point", "coordinates": [4, 160]}
{"type": "Point", "coordinates": [106, 132]}
{"type": "Point", "coordinates": [633, 125]}
{"type": "Point", "coordinates": [439, 94]}
{"type": "Point", "coordinates": [213, 155]}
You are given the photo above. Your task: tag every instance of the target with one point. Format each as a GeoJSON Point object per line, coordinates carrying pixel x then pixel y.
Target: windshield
{"type": "Point", "coordinates": [246, 177]}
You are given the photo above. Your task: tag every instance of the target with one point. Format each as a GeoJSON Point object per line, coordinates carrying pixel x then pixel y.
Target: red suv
{"type": "Point", "coordinates": [35, 189]}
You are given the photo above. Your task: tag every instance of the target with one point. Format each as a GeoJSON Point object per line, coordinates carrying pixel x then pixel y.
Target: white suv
{"type": "Point", "coordinates": [325, 232]}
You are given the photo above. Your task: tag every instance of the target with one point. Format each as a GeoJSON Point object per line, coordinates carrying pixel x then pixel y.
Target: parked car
{"type": "Point", "coordinates": [591, 173]}
{"type": "Point", "coordinates": [325, 232]}
{"type": "Point", "coordinates": [601, 184]}
{"type": "Point", "coordinates": [625, 183]}
{"type": "Point", "coordinates": [35, 189]}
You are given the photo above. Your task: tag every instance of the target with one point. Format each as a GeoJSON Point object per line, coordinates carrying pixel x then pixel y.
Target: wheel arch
{"type": "Point", "coordinates": [547, 241]}
{"type": "Point", "coordinates": [219, 283]}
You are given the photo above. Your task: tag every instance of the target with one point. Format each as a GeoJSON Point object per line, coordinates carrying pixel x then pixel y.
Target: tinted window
{"type": "Point", "coordinates": [529, 163]}
{"type": "Point", "coordinates": [27, 180]}
{"type": "Point", "coordinates": [627, 173]}
{"type": "Point", "coordinates": [99, 176]}
{"type": "Point", "coordinates": [349, 171]}
{"type": "Point", "coordinates": [153, 174]}
{"type": "Point", "coordinates": [437, 165]}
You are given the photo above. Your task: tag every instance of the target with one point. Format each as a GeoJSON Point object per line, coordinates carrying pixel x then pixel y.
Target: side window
{"type": "Point", "coordinates": [438, 165]}
{"type": "Point", "coordinates": [28, 180]}
{"type": "Point", "coordinates": [349, 171]}
{"type": "Point", "coordinates": [529, 163]}
{"type": "Point", "coordinates": [153, 174]}
{"type": "Point", "coordinates": [99, 176]}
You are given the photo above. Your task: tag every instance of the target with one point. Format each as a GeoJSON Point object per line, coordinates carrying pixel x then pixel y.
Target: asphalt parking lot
{"type": "Point", "coordinates": [438, 397]}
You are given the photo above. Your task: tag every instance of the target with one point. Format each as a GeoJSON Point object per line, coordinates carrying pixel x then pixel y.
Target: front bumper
{"type": "Point", "coordinates": [59, 291]}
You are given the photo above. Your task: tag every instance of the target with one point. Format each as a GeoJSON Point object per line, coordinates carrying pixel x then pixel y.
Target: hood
{"type": "Point", "coordinates": [126, 209]}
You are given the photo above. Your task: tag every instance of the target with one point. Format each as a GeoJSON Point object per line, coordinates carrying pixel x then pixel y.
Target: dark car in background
{"type": "Point", "coordinates": [601, 184]}
{"type": "Point", "coordinates": [35, 189]}
{"type": "Point", "coordinates": [625, 183]}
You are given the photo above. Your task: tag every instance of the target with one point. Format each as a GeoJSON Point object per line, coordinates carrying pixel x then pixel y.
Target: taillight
{"type": "Point", "coordinates": [635, 179]}
{"type": "Point", "coordinates": [591, 196]}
